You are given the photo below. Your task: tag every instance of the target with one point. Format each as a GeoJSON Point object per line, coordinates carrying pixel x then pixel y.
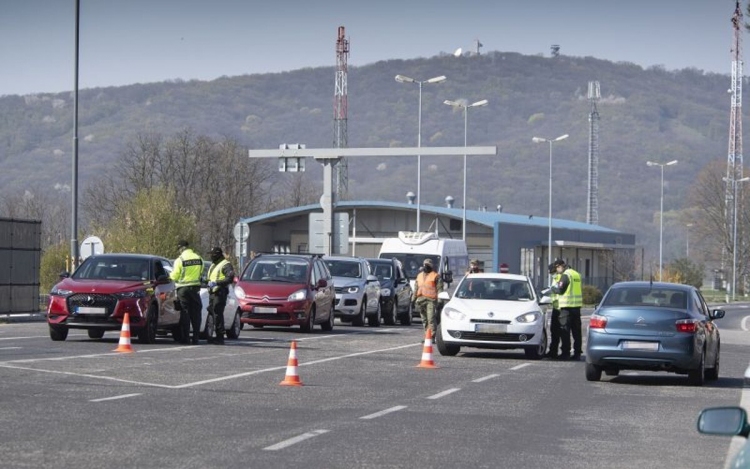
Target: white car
{"type": "Point", "coordinates": [492, 310]}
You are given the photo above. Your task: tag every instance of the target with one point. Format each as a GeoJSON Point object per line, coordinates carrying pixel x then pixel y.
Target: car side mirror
{"type": "Point", "coordinates": [724, 421]}
{"type": "Point", "coordinates": [545, 300]}
{"type": "Point", "coordinates": [448, 277]}
{"type": "Point", "coordinates": [322, 283]}
{"type": "Point", "coordinates": [163, 279]}
{"type": "Point", "coordinates": [64, 274]}
{"type": "Point", "coordinates": [717, 314]}
{"type": "Point", "coordinates": [444, 295]}
{"type": "Point", "coordinates": [372, 278]}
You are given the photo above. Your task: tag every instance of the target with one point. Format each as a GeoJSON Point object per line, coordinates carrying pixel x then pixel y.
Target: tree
{"type": "Point", "coordinates": [685, 271]}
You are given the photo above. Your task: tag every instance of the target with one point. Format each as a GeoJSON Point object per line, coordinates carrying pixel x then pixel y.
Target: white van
{"type": "Point", "coordinates": [449, 256]}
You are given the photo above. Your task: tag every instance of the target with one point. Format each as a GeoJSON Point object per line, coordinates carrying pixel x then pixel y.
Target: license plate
{"type": "Point", "coordinates": [635, 345]}
{"type": "Point", "coordinates": [264, 310]}
{"type": "Point", "coordinates": [90, 310]}
{"type": "Point", "coordinates": [492, 328]}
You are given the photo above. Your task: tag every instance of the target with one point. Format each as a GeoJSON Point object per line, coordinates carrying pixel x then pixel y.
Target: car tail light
{"type": "Point", "coordinates": [597, 322]}
{"type": "Point", "coordinates": [686, 325]}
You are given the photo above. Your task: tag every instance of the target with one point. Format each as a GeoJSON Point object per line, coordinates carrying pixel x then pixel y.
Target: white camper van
{"type": "Point", "coordinates": [449, 256]}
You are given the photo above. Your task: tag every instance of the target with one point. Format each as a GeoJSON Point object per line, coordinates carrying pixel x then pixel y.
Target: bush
{"type": "Point", "coordinates": [591, 295]}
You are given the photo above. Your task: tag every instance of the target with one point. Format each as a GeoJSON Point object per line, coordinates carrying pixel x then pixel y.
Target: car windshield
{"type": "Point", "coordinates": [350, 269]}
{"type": "Point", "coordinates": [113, 268]}
{"type": "Point", "coordinates": [494, 289]}
{"type": "Point", "coordinates": [276, 270]}
{"type": "Point", "coordinates": [639, 296]}
{"type": "Point", "coordinates": [382, 270]}
{"type": "Point", "coordinates": [412, 263]}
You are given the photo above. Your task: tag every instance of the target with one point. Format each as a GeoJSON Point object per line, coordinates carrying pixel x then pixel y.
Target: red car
{"type": "Point", "coordinates": [286, 290]}
{"type": "Point", "coordinates": [105, 287]}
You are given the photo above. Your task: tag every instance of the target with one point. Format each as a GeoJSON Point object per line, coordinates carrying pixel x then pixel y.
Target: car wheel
{"type": "Point", "coordinates": [307, 326]}
{"type": "Point", "coordinates": [390, 318]}
{"type": "Point", "coordinates": [147, 335]}
{"type": "Point", "coordinates": [374, 320]}
{"type": "Point", "coordinates": [208, 330]}
{"type": "Point", "coordinates": [697, 377]}
{"type": "Point", "coordinates": [234, 330]}
{"type": "Point", "coordinates": [328, 325]}
{"type": "Point", "coordinates": [537, 352]}
{"type": "Point", "coordinates": [58, 333]}
{"type": "Point", "coordinates": [406, 317]}
{"type": "Point", "coordinates": [360, 319]}
{"type": "Point", "coordinates": [712, 374]}
{"type": "Point", "coordinates": [95, 333]}
{"type": "Point", "coordinates": [593, 372]}
{"type": "Point", "coordinates": [444, 348]}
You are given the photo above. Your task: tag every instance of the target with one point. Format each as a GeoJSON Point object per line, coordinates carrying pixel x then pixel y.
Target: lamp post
{"type": "Point", "coordinates": [405, 79]}
{"type": "Point", "coordinates": [661, 209]}
{"type": "Point", "coordinates": [549, 217]}
{"type": "Point", "coordinates": [687, 240]}
{"type": "Point", "coordinates": [465, 107]}
{"type": "Point", "coordinates": [734, 231]}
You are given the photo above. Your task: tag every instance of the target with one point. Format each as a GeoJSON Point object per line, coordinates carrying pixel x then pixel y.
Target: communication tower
{"type": "Point", "coordinates": [340, 112]}
{"type": "Point", "coordinates": [592, 206]}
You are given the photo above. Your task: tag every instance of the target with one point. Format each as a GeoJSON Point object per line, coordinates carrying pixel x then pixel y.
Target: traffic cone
{"type": "Point", "coordinates": [427, 352]}
{"type": "Point", "coordinates": [124, 345]}
{"type": "Point", "coordinates": [292, 378]}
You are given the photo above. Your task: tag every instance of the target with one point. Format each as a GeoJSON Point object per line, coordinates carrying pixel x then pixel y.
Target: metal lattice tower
{"type": "Point", "coordinates": [592, 205]}
{"type": "Point", "coordinates": [734, 156]}
{"type": "Point", "coordinates": [340, 113]}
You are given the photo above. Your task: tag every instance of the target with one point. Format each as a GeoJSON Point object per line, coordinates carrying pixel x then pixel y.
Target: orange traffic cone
{"type": "Point", "coordinates": [292, 378]}
{"type": "Point", "coordinates": [427, 352]}
{"type": "Point", "coordinates": [124, 345]}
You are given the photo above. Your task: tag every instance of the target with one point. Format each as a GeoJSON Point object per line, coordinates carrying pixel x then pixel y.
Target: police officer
{"type": "Point", "coordinates": [570, 300]}
{"type": "Point", "coordinates": [220, 277]}
{"type": "Point", "coordinates": [554, 324]}
{"type": "Point", "coordinates": [187, 277]}
{"type": "Point", "coordinates": [425, 297]}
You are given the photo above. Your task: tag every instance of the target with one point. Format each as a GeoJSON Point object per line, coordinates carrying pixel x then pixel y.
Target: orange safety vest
{"type": "Point", "coordinates": [427, 284]}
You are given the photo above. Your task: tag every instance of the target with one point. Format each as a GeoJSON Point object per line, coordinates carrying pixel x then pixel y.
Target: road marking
{"type": "Point", "coordinates": [86, 375]}
{"type": "Point", "coordinates": [124, 396]}
{"type": "Point", "coordinates": [518, 367]}
{"type": "Point", "coordinates": [9, 348]}
{"type": "Point", "coordinates": [93, 355]}
{"type": "Point", "coordinates": [383, 412]}
{"type": "Point", "coordinates": [743, 324]}
{"type": "Point", "coordinates": [295, 440]}
{"type": "Point", "coordinates": [444, 393]}
{"type": "Point", "coordinates": [485, 378]}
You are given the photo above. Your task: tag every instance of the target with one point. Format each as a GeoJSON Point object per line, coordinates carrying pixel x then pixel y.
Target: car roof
{"type": "Point", "coordinates": [343, 258]}
{"type": "Point", "coordinates": [648, 285]}
{"type": "Point", "coordinates": [499, 276]}
{"type": "Point", "coordinates": [127, 255]}
{"type": "Point", "coordinates": [306, 257]}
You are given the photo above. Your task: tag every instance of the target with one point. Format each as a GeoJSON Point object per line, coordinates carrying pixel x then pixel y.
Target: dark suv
{"type": "Point", "coordinates": [286, 290]}
{"type": "Point", "coordinates": [395, 290]}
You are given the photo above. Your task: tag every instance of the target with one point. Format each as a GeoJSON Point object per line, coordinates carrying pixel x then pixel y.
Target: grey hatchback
{"type": "Point", "coordinates": [656, 327]}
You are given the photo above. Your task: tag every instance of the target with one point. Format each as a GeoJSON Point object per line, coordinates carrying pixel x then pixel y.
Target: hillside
{"type": "Point", "coordinates": [646, 114]}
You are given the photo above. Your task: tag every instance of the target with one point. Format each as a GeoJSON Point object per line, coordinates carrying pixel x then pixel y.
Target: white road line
{"type": "Point", "coordinates": [444, 393]}
{"type": "Point", "coordinates": [9, 348]}
{"type": "Point", "coordinates": [383, 412]}
{"type": "Point", "coordinates": [94, 355]}
{"type": "Point", "coordinates": [485, 378]}
{"type": "Point", "coordinates": [86, 375]}
{"type": "Point", "coordinates": [295, 440]}
{"type": "Point", "coordinates": [518, 367]}
{"type": "Point", "coordinates": [124, 396]}
{"type": "Point", "coordinates": [743, 324]}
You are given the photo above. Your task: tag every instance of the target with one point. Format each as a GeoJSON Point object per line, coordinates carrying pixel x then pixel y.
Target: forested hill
{"type": "Point", "coordinates": [645, 114]}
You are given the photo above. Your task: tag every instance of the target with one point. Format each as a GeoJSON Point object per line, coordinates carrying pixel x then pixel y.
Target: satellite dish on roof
{"type": "Point", "coordinates": [458, 52]}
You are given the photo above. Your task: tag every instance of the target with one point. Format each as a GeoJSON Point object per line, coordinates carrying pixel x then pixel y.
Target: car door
{"type": "Point", "coordinates": [712, 332]}
{"type": "Point", "coordinates": [401, 284]}
{"type": "Point", "coordinates": [165, 292]}
{"type": "Point", "coordinates": [372, 288]}
{"type": "Point", "coordinates": [324, 297]}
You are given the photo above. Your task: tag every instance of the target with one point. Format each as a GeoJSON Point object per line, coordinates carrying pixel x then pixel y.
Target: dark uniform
{"type": "Point", "coordinates": [220, 278]}
{"type": "Point", "coordinates": [187, 277]}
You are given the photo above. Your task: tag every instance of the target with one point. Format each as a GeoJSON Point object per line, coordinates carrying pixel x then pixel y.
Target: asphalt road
{"type": "Point", "coordinates": [364, 404]}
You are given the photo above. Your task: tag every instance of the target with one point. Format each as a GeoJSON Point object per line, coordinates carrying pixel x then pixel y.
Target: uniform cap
{"type": "Point", "coordinates": [427, 262]}
{"type": "Point", "coordinates": [217, 250]}
{"type": "Point", "coordinates": [558, 262]}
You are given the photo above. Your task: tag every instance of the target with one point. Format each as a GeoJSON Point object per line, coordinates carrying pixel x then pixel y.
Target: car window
{"type": "Point", "coordinates": [382, 271]}
{"type": "Point", "coordinates": [640, 296]}
{"type": "Point", "coordinates": [699, 305]}
{"type": "Point", "coordinates": [494, 289]}
{"type": "Point", "coordinates": [269, 269]}
{"type": "Point", "coordinates": [317, 274]}
{"type": "Point", "coordinates": [113, 268]}
{"type": "Point", "coordinates": [351, 269]}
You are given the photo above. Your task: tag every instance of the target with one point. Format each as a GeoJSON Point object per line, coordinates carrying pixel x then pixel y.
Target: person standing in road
{"type": "Point", "coordinates": [554, 324]}
{"type": "Point", "coordinates": [570, 300]}
{"type": "Point", "coordinates": [220, 277]}
{"type": "Point", "coordinates": [186, 275]}
{"type": "Point", "coordinates": [425, 297]}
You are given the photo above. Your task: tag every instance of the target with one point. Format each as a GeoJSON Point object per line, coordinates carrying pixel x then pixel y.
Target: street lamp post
{"type": "Point", "coordinates": [734, 183]}
{"type": "Point", "coordinates": [462, 104]}
{"type": "Point", "coordinates": [687, 240]}
{"type": "Point", "coordinates": [405, 79]}
{"type": "Point", "coordinates": [661, 209]}
{"type": "Point", "coordinates": [549, 216]}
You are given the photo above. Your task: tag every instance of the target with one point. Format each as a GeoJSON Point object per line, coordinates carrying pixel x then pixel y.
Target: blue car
{"type": "Point", "coordinates": [654, 326]}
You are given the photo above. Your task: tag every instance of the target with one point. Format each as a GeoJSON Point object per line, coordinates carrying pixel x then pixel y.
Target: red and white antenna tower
{"type": "Point", "coordinates": [734, 156]}
{"type": "Point", "coordinates": [340, 112]}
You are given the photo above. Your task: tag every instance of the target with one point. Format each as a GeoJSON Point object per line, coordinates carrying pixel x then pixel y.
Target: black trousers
{"type": "Point", "coordinates": [190, 315]}
{"type": "Point", "coordinates": [216, 303]}
{"type": "Point", "coordinates": [554, 333]}
{"type": "Point", "coordinates": [570, 324]}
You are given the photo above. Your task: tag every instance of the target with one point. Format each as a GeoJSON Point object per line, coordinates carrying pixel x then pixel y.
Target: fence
{"type": "Point", "coordinates": [20, 254]}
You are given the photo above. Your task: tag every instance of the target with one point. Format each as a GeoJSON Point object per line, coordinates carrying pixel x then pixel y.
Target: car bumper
{"type": "Point", "coordinates": [513, 335]}
{"type": "Point", "coordinates": [291, 314]}
{"type": "Point", "coordinates": [668, 354]}
{"type": "Point", "coordinates": [59, 314]}
{"type": "Point", "coordinates": [347, 305]}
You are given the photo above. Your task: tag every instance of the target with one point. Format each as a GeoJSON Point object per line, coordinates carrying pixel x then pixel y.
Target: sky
{"type": "Point", "coordinates": [123, 42]}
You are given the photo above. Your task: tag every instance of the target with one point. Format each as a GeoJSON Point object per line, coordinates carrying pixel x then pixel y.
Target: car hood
{"type": "Point", "coordinates": [270, 289]}
{"type": "Point", "coordinates": [101, 286]}
{"type": "Point", "coordinates": [343, 282]}
{"type": "Point", "coordinates": [475, 308]}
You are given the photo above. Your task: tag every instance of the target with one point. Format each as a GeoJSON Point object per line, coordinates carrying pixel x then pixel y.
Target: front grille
{"type": "Point", "coordinates": [95, 300]}
{"type": "Point", "coordinates": [267, 316]}
{"type": "Point", "coordinates": [490, 321]}
{"type": "Point", "coordinates": [489, 337]}
{"type": "Point", "coordinates": [340, 289]}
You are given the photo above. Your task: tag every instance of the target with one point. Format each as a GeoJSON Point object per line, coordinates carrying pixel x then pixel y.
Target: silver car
{"type": "Point", "coordinates": [357, 290]}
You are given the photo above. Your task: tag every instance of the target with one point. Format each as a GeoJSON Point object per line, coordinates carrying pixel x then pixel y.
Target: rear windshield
{"type": "Point", "coordinates": [276, 270]}
{"type": "Point", "coordinates": [635, 296]}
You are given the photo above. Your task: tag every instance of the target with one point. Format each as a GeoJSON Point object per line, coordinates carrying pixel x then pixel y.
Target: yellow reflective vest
{"type": "Point", "coordinates": [573, 296]}
{"type": "Point", "coordinates": [216, 273]}
{"type": "Point", "coordinates": [187, 269]}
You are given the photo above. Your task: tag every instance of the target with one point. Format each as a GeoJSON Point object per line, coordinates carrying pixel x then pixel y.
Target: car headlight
{"type": "Point", "coordinates": [60, 292]}
{"type": "Point", "coordinates": [385, 292]}
{"type": "Point", "coordinates": [352, 289]}
{"type": "Point", "coordinates": [239, 292]}
{"type": "Point", "coordinates": [131, 294]}
{"type": "Point", "coordinates": [299, 295]}
{"type": "Point", "coordinates": [454, 314]}
{"type": "Point", "coordinates": [529, 317]}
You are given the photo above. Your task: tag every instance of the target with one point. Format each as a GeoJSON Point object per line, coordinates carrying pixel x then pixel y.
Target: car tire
{"type": "Point", "coordinates": [374, 320]}
{"type": "Point", "coordinates": [58, 333]}
{"type": "Point", "coordinates": [449, 350]}
{"type": "Point", "coordinates": [405, 318]}
{"type": "Point", "coordinates": [359, 321]}
{"type": "Point", "coordinates": [209, 329]}
{"type": "Point", "coordinates": [697, 377]}
{"type": "Point", "coordinates": [307, 326]}
{"type": "Point", "coordinates": [147, 334]}
{"type": "Point", "coordinates": [234, 330]}
{"type": "Point", "coordinates": [593, 372]}
{"type": "Point", "coordinates": [328, 325]}
{"type": "Point", "coordinates": [390, 318]}
{"type": "Point", "coordinates": [95, 333]}
{"type": "Point", "coordinates": [712, 374]}
{"type": "Point", "coordinates": [537, 352]}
